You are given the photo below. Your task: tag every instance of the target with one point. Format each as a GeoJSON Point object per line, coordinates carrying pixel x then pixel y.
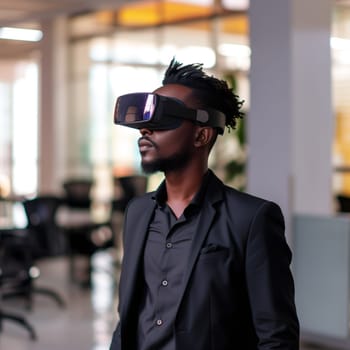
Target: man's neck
{"type": "Point", "coordinates": [181, 187]}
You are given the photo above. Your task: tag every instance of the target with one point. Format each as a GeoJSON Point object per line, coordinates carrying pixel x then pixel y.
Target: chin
{"type": "Point", "coordinates": [150, 167]}
{"type": "Point", "coordinates": [175, 162]}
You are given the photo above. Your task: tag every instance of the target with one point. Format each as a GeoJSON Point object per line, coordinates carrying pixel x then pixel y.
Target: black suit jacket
{"type": "Point", "coordinates": [237, 292]}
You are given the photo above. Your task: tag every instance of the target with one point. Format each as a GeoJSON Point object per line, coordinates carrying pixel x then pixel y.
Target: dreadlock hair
{"type": "Point", "coordinates": [209, 91]}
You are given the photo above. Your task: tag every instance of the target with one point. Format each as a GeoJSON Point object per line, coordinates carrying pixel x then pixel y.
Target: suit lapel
{"type": "Point", "coordinates": [137, 226]}
{"type": "Point", "coordinates": [214, 194]}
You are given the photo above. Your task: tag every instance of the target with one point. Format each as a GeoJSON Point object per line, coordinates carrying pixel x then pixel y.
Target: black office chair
{"type": "Point", "coordinates": [84, 235]}
{"type": "Point", "coordinates": [125, 188]}
{"type": "Point", "coordinates": [47, 239]}
{"type": "Point", "coordinates": [343, 203]}
{"type": "Point", "coordinates": [15, 273]}
{"type": "Point", "coordinates": [131, 186]}
{"type": "Point", "coordinates": [78, 193]}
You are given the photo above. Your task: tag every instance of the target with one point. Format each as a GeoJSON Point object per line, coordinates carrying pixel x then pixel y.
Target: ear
{"type": "Point", "coordinates": [203, 136]}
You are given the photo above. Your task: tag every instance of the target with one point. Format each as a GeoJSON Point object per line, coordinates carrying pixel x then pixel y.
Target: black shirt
{"type": "Point", "coordinates": [165, 259]}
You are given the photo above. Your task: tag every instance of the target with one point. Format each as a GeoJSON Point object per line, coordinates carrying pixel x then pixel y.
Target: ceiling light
{"type": "Point", "coordinates": [340, 43]}
{"type": "Point", "coordinates": [236, 4]}
{"type": "Point", "coordinates": [200, 54]}
{"type": "Point", "coordinates": [234, 50]}
{"type": "Point", "coordinates": [20, 34]}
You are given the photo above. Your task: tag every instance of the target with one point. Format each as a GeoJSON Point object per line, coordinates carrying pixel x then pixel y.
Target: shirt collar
{"type": "Point", "coordinates": [160, 195]}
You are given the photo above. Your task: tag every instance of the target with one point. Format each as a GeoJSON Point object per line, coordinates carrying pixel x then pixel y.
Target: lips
{"type": "Point", "coordinates": [145, 144]}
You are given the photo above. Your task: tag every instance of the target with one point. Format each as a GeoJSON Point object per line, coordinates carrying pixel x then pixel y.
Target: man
{"type": "Point", "coordinates": [205, 267]}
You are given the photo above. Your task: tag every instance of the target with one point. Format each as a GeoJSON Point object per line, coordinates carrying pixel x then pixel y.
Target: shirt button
{"type": "Point", "coordinates": [169, 245]}
{"type": "Point", "coordinates": [164, 283]}
{"type": "Point", "coordinates": [159, 322]}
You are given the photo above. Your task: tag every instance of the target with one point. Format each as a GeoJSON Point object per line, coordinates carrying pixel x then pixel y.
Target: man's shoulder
{"type": "Point", "coordinates": [251, 205]}
{"type": "Point", "coordinates": [144, 197]}
{"type": "Point", "coordinates": [242, 196]}
{"type": "Point", "coordinates": [141, 201]}
{"type": "Point", "coordinates": [235, 195]}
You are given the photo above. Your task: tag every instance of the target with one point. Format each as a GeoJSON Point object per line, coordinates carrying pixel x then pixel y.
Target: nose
{"type": "Point", "coordinates": [145, 131]}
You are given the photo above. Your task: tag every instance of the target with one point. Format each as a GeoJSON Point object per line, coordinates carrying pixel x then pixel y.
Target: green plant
{"type": "Point", "coordinates": [235, 167]}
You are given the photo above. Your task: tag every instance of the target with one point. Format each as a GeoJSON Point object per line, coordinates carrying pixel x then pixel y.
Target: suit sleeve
{"type": "Point", "coordinates": [269, 281]}
{"type": "Point", "coordinates": [116, 336]}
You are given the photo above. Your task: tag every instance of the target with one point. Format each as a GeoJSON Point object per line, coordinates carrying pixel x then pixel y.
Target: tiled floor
{"type": "Point", "coordinates": [88, 319]}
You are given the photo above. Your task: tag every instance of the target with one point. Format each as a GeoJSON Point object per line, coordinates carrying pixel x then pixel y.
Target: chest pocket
{"type": "Point", "coordinates": [213, 251]}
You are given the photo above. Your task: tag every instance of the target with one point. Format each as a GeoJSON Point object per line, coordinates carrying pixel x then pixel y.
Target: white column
{"type": "Point", "coordinates": [312, 114]}
{"type": "Point", "coordinates": [53, 111]}
{"type": "Point", "coordinates": [290, 123]}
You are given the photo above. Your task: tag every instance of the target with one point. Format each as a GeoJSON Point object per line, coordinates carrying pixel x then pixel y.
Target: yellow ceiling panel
{"type": "Point", "coordinates": [237, 24]}
{"type": "Point", "coordinates": [149, 13]}
{"type": "Point", "coordinates": [153, 13]}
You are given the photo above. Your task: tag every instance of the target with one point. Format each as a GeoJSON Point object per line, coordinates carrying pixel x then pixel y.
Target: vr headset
{"type": "Point", "coordinates": [156, 112]}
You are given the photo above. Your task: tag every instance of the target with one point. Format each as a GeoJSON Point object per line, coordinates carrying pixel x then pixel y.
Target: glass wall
{"type": "Point", "coordinates": [340, 44]}
{"type": "Point", "coordinates": [133, 58]}
{"type": "Point", "coordinates": [18, 127]}
{"type": "Point", "coordinates": [127, 50]}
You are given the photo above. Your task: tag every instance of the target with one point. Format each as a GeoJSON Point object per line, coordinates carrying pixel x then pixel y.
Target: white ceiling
{"type": "Point", "coordinates": [28, 13]}
{"type": "Point", "coordinates": [18, 11]}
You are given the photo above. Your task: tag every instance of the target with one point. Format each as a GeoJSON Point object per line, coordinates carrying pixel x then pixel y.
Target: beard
{"type": "Point", "coordinates": [173, 163]}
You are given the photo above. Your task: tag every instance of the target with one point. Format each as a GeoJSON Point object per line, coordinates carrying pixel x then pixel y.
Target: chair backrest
{"type": "Point", "coordinates": [41, 215]}
{"type": "Point", "coordinates": [78, 192]}
{"type": "Point", "coordinates": [134, 185]}
{"type": "Point", "coordinates": [131, 186]}
{"type": "Point", "coordinates": [344, 203]}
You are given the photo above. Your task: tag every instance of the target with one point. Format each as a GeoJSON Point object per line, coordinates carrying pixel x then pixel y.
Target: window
{"type": "Point", "coordinates": [18, 128]}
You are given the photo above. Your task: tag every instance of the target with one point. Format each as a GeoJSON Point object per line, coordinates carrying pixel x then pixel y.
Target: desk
{"type": "Point", "coordinates": [11, 226]}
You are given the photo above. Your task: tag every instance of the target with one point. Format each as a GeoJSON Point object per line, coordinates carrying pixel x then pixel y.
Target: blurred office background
{"type": "Point", "coordinates": [59, 79]}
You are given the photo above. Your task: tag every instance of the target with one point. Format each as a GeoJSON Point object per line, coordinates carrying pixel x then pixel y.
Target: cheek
{"type": "Point", "coordinates": [185, 134]}
{"type": "Point", "coordinates": [179, 142]}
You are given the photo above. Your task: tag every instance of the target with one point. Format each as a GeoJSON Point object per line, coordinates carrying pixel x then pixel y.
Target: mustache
{"type": "Point", "coordinates": [146, 138]}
